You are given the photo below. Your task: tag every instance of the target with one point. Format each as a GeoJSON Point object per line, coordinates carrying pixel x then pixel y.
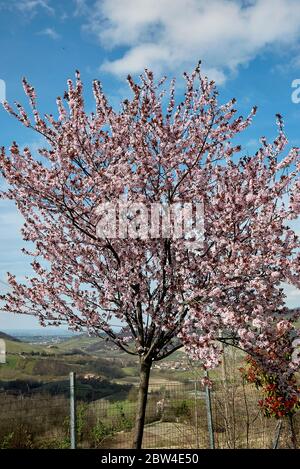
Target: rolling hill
{"type": "Point", "coordinates": [8, 337]}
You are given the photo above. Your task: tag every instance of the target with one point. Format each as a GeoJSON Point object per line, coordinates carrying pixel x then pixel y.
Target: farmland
{"type": "Point", "coordinates": [34, 398]}
{"type": "Point", "coordinates": [87, 357]}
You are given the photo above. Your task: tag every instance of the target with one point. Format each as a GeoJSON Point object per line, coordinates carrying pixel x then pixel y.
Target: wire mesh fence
{"type": "Point", "coordinates": [34, 421]}
{"type": "Point", "coordinates": [177, 417]}
{"type": "Point", "coordinates": [172, 418]}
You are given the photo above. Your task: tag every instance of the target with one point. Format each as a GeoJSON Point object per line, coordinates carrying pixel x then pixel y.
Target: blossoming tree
{"type": "Point", "coordinates": [165, 294]}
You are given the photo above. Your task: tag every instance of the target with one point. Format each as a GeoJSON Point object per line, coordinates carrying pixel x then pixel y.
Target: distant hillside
{"type": "Point", "coordinates": [81, 342]}
{"type": "Point", "coordinates": [19, 347]}
{"type": "Point", "coordinates": [8, 337]}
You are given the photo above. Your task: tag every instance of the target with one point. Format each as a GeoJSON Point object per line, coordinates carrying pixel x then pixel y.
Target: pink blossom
{"type": "Point", "coordinates": [165, 293]}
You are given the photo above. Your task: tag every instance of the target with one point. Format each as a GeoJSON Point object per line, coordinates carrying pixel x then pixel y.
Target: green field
{"type": "Point", "coordinates": [92, 357]}
{"type": "Point", "coordinates": [107, 395]}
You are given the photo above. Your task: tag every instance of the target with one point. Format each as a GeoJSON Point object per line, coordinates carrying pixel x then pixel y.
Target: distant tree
{"type": "Point", "coordinates": [167, 291]}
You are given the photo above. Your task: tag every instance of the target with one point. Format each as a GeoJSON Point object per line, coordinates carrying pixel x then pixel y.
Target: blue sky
{"type": "Point", "coordinates": [250, 47]}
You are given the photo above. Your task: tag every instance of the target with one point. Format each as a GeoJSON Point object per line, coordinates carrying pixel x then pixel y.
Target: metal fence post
{"type": "Point", "coordinates": [73, 410]}
{"type": "Point", "coordinates": [277, 434]}
{"type": "Point", "coordinates": [209, 416]}
{"type": "Point", "coordinates": [2, 351]}
{"type": "Point", "coordinates": [196, 416]}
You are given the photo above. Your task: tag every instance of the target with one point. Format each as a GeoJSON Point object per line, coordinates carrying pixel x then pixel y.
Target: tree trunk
{"type": "Point", "coordinates": [145, 368]}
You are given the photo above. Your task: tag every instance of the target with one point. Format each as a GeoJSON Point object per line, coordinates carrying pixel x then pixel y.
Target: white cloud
{"type": "Point", "coordinates": [81, 7]}
{"type": "Point", "coordinates": [171, 35]}
{"type": "Point", "coordinates": [50, 32]}
{"type": "Point", "coordinates": [31, 6]}
{"type": "Point", "coordinates": [28, 8]}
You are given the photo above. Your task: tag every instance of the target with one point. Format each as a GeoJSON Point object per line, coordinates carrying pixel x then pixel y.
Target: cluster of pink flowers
{"type": "Point", "coordinates": [164, 293]}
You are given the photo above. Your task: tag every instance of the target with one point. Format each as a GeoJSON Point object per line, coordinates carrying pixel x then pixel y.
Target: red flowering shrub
{"type": "Point", "coordinates": [275, 403]}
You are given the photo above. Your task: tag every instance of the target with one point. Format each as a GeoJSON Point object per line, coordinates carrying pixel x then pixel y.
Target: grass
{"type": "Point", "coordinates": [41, 420]}
{"type": "Point", "coordinates": [22, 347]}
{"type": "Point", "coordinates": [81, 343]}
{"type": "Point", "coordinates": [130, 371]}
{"type": "Point", "coordinates": [25, 361]}
{"type": "Point", "coordinates": [107, 421]}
